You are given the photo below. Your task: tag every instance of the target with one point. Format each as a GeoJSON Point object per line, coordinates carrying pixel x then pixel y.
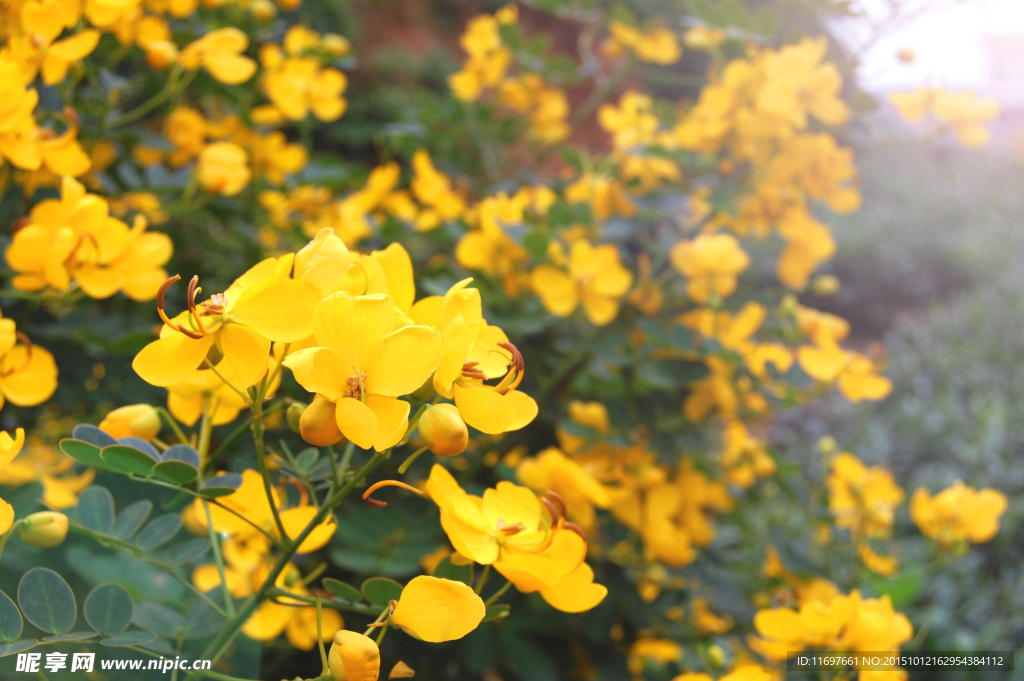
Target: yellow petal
{"type": "Point", "coordinates": [267, 622]}
{"type": "Point", "coordinates": [318, 370]}
{"type": "Point", "coordinates": [6, 516]}
{"type": "Point", "coordinates": [455, 343]}
{"type": "Point", "coordinates": [283, 312]}
{"type": "Point", "coordinates": [576, 592]}
{"type": "Point", "coordinates": [354, 657]}
{"type": "Point", "coordinates": [485, 410]}
{"type": "Point", "coordinates": [171, 359]}
{"type": "Point", "coordinates": [556, 289]}
{"type": "Point", "coordinates": [246, 352]}
{"type": "Point", "coordinates": [354, 326]}
{"type": "Point", "coordinates": [438, 610]}
{"type": "Point", "coordinates": [406, 359]}
{"type": "Point", "coordinates": [230, 68]}
{"type": "Point", "coordinates": [33, 380]}
{"type": "Point", "coordinates": [296, 519]}
{"type": "Point", "coordinates": [525, 409]}
{"type": "Point", "coordinates": [356, 422]}
{"type": "Point", "coordinates": [469, 540]}
{"type": "Point", "coordinates": [397, 266]}
{"type": "Point", "coordinates": [392, 418]}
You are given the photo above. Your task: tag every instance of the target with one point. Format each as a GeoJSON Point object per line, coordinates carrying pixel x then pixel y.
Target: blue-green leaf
{"type": "Point", "coordinates": [342, 590]}
{"type": "Point", "coordinates": [176, 472]}
{"type": "Point", "coordinates": [17, 647]}
{"type": "Point", "coordinates": [92, 435]}
{"type": "Point", "coordinates": [158, 619]}
{"type": "Point", "coordinates": [181, 453]}
{"type": "Point", "coordinates": [11, 623]}
{"type": "Point", "coordinates": [86, 453]}
{"type": "Point", "coordinates": [159, 532]}
{"type": "Point", "coordinates": [380, 591]}
{"type": "Point", "coordinates": [72, 636]}
{"type": "Point", "coordinates": [108, 609]}
{"type": "Point", "coordinates": [96, 509]}
{"type": "Point", "coordinates": [128, 638]}
{"type": "Point", "coordinates": [131, 518]}
{"type": "Point", "coordinates": [47, 601]}
{"type": "Point", "coordinates": [459, 573]}
{"type": "Point", "coordinates": [128, 459]}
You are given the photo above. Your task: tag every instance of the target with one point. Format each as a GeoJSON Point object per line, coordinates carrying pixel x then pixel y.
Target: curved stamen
{"type": "Point", "coordinates": [193, 290]}
{"type": "Point", "coordinates": [556, 499]}
{"type": "Point", "coordinates": [472, 370]}
{"type": "Point", "coordinates": [385, 483]}
{"type": "Point", "coordinates": [161, 300]}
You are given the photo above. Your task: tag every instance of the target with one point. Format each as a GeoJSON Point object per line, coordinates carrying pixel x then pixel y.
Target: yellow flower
{"type": "Point", "coordinates": [204, 390]}
{"type": "Point", "coordinates": [552, 470]}
{"type": "Point", "coordinates": [354, 657]}
{"type": "Point", "coordinates": [74, 238]}
{"type": "Point", "coordinates": [711, 263]}
{"type": "Point", "coordinates": [856, 374]}
{"type": "Point", "coordinates": [606, 196]}
{"type": "Point", "coordinates": [596, 278]}
{"type": "Point", "coordinates": [261, 306]}
{"type": "Point", "coordinates": [743, 456]}
{"type": "Point", "coordinates": [223, 168]}
{"type": "Point", "coordinates": [433, 189]}
{"type": "Point", "coordinates": [135, 420]}
{"type": "Point", "coordinates": [53, 469]}
{"type": "Point", "coordinates": [655, 651]}
{"type": "Point", "coordinates": [9, 448]}
{"type": "Point", "coordinates": [250, 501]}
{"type": "Point", "coordinates": [506, 528]}
{"type": "Point", "coordinates": [220, 52]}
{"type": "Point", "coordinates": [799, 83]}
{"type": "Point", "coordinates": [488, 58]}
{"type": "Point", "coordinates": [704, 38]}
{"type": "Point", "coordinates": [633, 123]}
{"type": "Point", "coordinates": [364, 364]}
{"type": "Point", "coordinates": [187, 130]}
{"type": "Point", "coordinates": [964, 112]}
{"type": "Point", "coordinates": [437, 610]}
{"type": "Point", "coordinates": [863, 499]}
{"type": "Point", "coordinates": [958, 513]}
{"type": "Point", "coordinates": [299, 85]}
{"type": "Point", "coordinates": [472, 352]}
{"type": "Point", "coordinates": [658, 46]}
{"type": "Point", "coordinates": [706, 621]}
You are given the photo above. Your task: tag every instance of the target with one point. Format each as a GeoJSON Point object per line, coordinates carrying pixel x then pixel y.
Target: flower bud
{"type": "Point", "coordinates": [716, 656]}
{"type": "Point", "coordinates": [136, 420]}
{"type": "Point", "coordinates": [263, 10]}
{"type": "Point", "coordinates": [907, 55]}
{"type": "Point", "coordinates": [160, 54]}
{"type": "Point", "coordinates": [443, 431]}
{"type": "Point", "coordinates": [294, 415]}
{"type": "Point", "coordinates": [825, 285]}
{"type": "Point", "coordinates": [353, 657]}
{"type": "Point", "coordinates": [46, 529]}
{"type": "Point", "coordinates": [317, 425]}
{"type": "Point", "coordinates": [336, 45]}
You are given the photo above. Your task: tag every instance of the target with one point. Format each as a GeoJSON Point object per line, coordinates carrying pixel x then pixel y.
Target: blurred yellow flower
{"type": "Point", "coordinates": [220, 52]}
{"type": "Point", "coordinates": [958, 513]}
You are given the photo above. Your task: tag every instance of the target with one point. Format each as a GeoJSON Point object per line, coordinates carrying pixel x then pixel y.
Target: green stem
{"type": "Point", "coordinates": [229, 602]}
{"type": "Point", "coordinates": [228, 383]}
{"type": "Point", "coordinates": [237, 433]}
{"type": "Point", "coordinates": [334, 465]}
{"type": "Point", "coordinates": [261, 459]}
{"type": "Point", "coordinates": [408, 462]}
{"type": "Point", "coordinates": [384, 614]}
{"type": "Point", "coordinates": [498, 594]}
{"type": "Point", "coordinates": [7, 537]}
{"type": "Point", "coordinates": [320, 637]}
{"type": "Point", "coordinates": [205, 430]}
{"type": "Point", "coordinates": [346, 460]}
{"type": "Point", "coordinates": [231, 628]}
{"type": "Point", "coordinates": [383, 630]}
{"type": "Point", "coordinates": [173, 424]}
{"type": "Point", "coordinates": [483, 580]}
{"type": "Point", "coordinates": [174, 82]}
{"type": "Point", "coordinates": [345, 607]}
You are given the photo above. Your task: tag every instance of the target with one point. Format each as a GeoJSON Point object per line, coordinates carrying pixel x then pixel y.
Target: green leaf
{"type": "Point", "coordinates": [497, 611]}
{"type": "Point", "coordinates": [764, 21]}
{"type": "Point", "coordinates": [307, 458]}
{"type": "Point", "coordinates": [92, 435]}
{"type": "Point", "coordinates": [189, 551]}
{"type": "Point", "coordinates": [128, 638]}
{"type": "Point", "coordinates": [734, 13]}
{"type": "Point", "coordinates": [72, 636]}
{"type": "Point", "coordinates": [96, 509]}
{"type": "Point", "coordinates": [202, 621]}
{"type": "Point", "coordinates": [131, 518]}
{"type": "Point", "coordinates": [108, 609]}
{"type": "Point", "coordinates": [128, 459]}
{"type": "Point", "coordinates": [459, 573]}
{"type": "Point", "coordinates": [11, 623]}
{"type": "Point", "coordinates": [342, 590]}
{"type": "Point", "coordinates": [182, 453]}
{"type": "Point", "coordinates": [17, 647]}
{"type": "Point", "coordinates": [670, 373]}
{"type": "Point", "coordinates": [175, 472]}
{"type": "Point", "coordinates": [47, 601]}
{"type": "Point", "coordinates": [221, 485]}
{"type": "Point", "coordinates": [85, 453]}
{"type": "Point", "coordinates": [703, 9]}
{"type": "Point", "coordinates": [536, 243]}
{"type": "Point", "coordinates": [158, 619]}
{"type": "Point", "coordinates": [159, 532]}
{"type": "Point", "coordinates": [380, 591]}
